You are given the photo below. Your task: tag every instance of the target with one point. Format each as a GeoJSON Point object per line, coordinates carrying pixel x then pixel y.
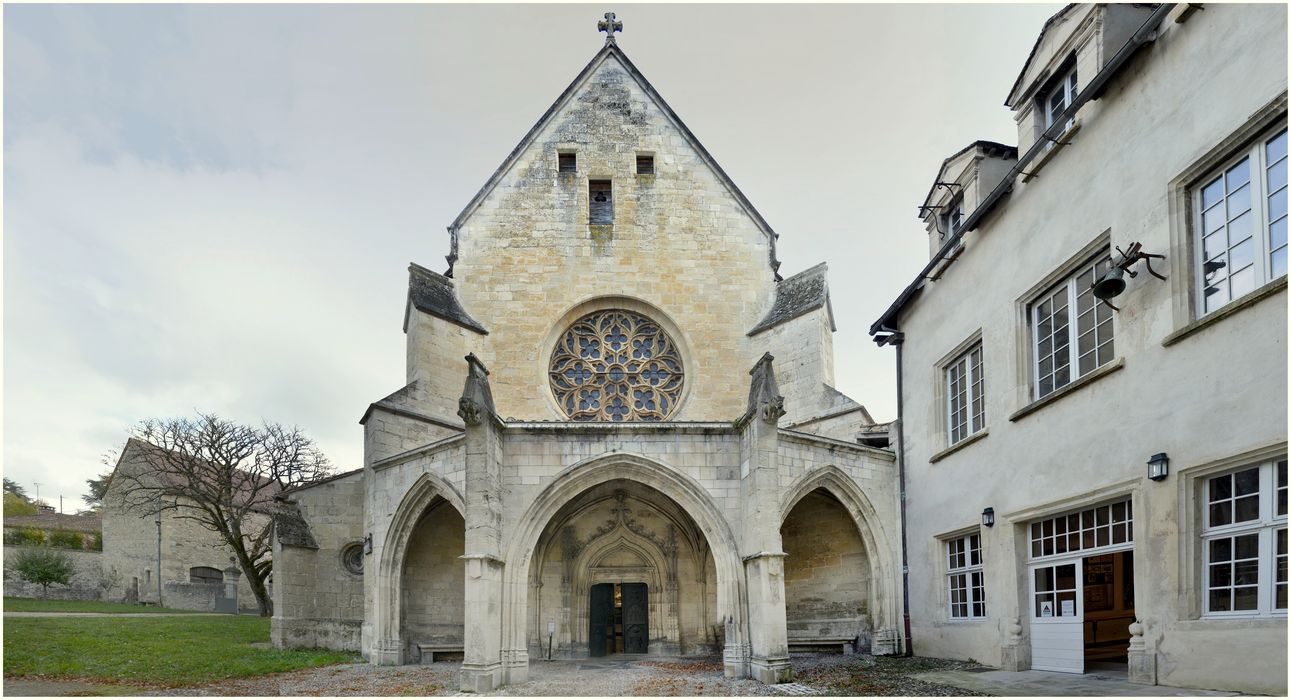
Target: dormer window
{"type": "Point", "coordinates": [1057, 98]}
{"type": "Point", "coordinates": [953, 218]}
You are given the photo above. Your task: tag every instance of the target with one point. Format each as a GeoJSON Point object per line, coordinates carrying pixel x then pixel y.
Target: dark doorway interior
{"type": "Point", "coordinates": [1109, 606]}
{"type": "Point", "coordinates": [618, 622]}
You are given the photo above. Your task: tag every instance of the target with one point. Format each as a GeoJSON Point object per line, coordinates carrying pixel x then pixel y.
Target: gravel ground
{"type": "Point", "coordinates": [821, 674]}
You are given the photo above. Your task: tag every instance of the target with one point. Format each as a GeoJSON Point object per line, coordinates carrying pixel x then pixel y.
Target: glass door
{"type": "Point", "coordinates": [1057, 617]}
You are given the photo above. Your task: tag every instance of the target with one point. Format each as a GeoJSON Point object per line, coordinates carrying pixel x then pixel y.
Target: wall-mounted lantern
{"type": "Point", "coordinates": [1158, 466]}
{"type": "Point", "coordinates": [988, 517]}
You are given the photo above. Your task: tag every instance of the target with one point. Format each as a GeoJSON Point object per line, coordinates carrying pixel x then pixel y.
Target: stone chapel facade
{"type": "Point", "coordinates": [618, 435]}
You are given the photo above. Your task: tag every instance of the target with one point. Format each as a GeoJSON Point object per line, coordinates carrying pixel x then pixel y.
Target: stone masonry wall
{"type": "Point", "coordinates": [434, 580]}
{"type": "Point", "coordinates": [130, 549]}
{"type": "Point", "coordinates": [84, 585]}
{"type": "Point", "coordinates": [826, 572]}
{"type": "Point", "coordinates": [317, 602]}
{"type": "Point", "coordinates": [804, 362]}
{"type": "Point", "coordinates": [680, 242]}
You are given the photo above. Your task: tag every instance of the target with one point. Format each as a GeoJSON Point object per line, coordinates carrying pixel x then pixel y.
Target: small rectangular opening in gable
{"type": "Point", "coordinates": [568, 162]}
{"type": "Point", "coordinates": [600, 202]}
{"type": "Point", "coordinates": [645, 164]}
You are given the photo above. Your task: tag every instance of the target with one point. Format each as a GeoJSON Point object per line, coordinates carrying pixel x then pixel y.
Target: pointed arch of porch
{"type": "Point", "coordinates": [388, 598]}
{"type": "Point", "coordinates": [682, 489]}
{"type": "Point", "coordinates": [884, 606]}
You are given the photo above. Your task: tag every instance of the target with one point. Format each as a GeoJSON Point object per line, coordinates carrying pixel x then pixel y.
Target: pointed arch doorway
{"type": "Point", "coordinates": [619, 619]}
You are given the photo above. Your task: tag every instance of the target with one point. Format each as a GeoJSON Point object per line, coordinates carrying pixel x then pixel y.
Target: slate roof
{"type": "Point", "coordinates": [312, 484]}
{"type": "Point", "coordinates": [290, 526]}
{"type": "Point", "coordinates": [433, 293]}
{"type": "Point", "coordinates": [612, 49]}
{"type": "Point", "coordinates": [57, 521]}
{"type": "Point", "coordinates": [795, 296]}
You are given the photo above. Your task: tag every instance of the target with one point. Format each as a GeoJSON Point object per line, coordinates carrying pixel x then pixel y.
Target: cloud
{"type": "Point", "coordinates": [211, 207]}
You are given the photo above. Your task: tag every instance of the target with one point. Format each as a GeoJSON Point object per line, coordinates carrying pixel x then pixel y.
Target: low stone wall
{"type": "Point", "coordinates": [85, 584]}
{"type": "Point", "coordinates": [191, 596]}
{"type": "Point", "coordinates": [309, 633]}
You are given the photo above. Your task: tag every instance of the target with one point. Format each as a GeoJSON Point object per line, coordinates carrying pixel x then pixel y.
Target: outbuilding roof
{"type": "Point", "coordinates": [796, 295]}
{"type": "Point", "coordinates": [433, 293]}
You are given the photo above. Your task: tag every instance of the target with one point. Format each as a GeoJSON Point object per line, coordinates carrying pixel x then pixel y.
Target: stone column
{"type": "Point", "coordinates": [763, 551]}
{"type": "Point", "coordinates": [482, 662]}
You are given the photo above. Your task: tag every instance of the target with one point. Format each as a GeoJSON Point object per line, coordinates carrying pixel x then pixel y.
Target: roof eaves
{"type": "Point", "coordinates": [320, 482]}
{"type": "Point", "coordinates": [1005, 150]}
{"type": "Point", "coordinates": [1008, 101]}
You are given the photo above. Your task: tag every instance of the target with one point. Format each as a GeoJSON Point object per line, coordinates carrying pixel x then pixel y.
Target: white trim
{"type": "Point", "coordinates": [1255, 154]}
{"type": "Point", "coordinates": [1264, 527]}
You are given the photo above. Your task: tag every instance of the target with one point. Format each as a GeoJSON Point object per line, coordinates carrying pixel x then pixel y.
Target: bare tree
{"type": "Point", "coordinates": [221, 475]}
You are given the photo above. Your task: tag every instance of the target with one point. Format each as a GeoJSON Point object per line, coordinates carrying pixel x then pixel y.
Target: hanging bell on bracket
{"type": "Point", "coordinates": [1111, 284]}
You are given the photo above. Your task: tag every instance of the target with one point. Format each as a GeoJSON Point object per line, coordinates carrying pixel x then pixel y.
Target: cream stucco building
{"type": "Point", "coordinates": [618, 435]}
{"type": "Point", "coordinates": [1039, 536]}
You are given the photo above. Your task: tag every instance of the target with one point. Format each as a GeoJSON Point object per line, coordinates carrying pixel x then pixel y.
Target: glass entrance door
{"type": "Point", "coordinates": [1057, 617]}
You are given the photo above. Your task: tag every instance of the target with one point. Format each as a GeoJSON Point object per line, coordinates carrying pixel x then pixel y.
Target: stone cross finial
{"type": "Point", "coordinates": [609, 25]}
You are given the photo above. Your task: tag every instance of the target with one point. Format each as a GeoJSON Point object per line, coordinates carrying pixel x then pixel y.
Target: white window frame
{"type": "Point", "coordinates": [1256, 155]}
{"type": "Point", "coordinates": [1075, 293]}
{"type": "Point", "coordinates": [1265, 527]}
{"type": "Point", "coordinates": [953, 219]}
{"type": "Point", "coordinates": [1063, 536]}
{"type": "Point", "coordinates": [968, 564]}
{"type": "Point", "coordinates": [964, 381]}
{"type": "Point", "coordinates": [1068, 88]}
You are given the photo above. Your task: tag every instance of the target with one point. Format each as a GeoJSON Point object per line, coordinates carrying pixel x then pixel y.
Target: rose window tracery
{"type": "Point", "coordinates": [618, 366]}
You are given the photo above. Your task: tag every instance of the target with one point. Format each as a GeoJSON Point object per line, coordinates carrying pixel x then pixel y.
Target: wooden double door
{"type": "Point", "coordinates": [619, 619]}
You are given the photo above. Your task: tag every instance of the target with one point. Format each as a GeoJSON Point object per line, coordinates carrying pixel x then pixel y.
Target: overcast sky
{"type": "Point", "coordinates": [212, 207]}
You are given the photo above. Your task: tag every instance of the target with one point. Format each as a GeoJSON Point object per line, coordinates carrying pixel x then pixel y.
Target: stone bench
{"type": "Point", "coordinates": [428, 650]}
{"type": "Point", "coordinates": [846, 644]}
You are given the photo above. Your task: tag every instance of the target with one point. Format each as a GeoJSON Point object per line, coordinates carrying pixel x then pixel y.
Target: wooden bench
{"type": "Point", "coordinates": [428, 650]}
{"type": "Point", "coordinates": [846, 644]}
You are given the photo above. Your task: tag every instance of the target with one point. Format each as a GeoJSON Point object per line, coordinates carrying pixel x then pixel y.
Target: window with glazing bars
{"type": "Point", "coordinates": [1241, 220]}
{"type": "Point", "coordinates": [1093, 528]}
{"type": "Point", "coordinates": [1066, 313]}
{"type": "Point", "coordinates": [965, 583]}
{"type": "Point", "coordinates": [1244, 542]}
{"type": "Point", "coordinates": [965, 405]}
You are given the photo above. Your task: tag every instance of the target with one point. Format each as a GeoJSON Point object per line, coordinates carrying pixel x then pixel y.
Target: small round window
{"type": "Point", "coordinates": [352, 558]}
{"type": "Point", "coordinates": [616, 365]}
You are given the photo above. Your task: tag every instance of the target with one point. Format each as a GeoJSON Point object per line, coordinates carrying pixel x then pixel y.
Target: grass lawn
{"type": "Point", "coordinates": [91, 606]}
{"type": "Point", "coordinates": [160, 651]}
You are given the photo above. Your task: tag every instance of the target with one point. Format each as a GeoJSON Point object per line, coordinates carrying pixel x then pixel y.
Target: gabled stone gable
{"type": "Point", "coordinates": [685, 247]}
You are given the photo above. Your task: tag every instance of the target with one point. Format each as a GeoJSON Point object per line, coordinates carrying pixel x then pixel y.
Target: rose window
{"type": "Point", "coordinates": [616, 366]}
